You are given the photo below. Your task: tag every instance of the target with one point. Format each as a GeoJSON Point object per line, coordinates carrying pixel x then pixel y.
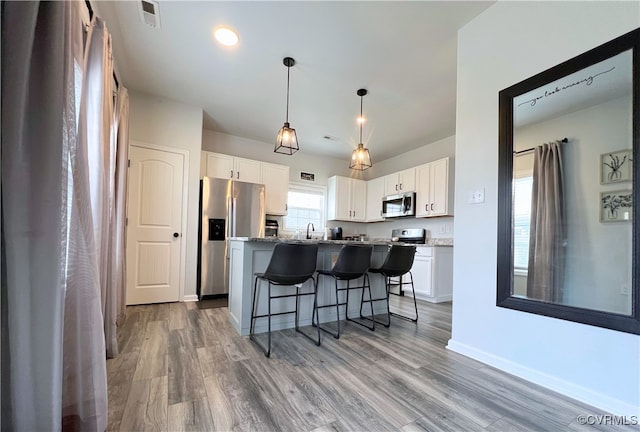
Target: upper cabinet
{"type": "Point", "coordinates": [276, 182]}
{"type": "Point", "coordinates": [375, 193]}
{"type": "Point", "coordinates": [274, 177]}
{"type": "Point", "coordinates": [434, 192]}
{"type": "Point", "coordinates": [347, 199]}
{"type": "Point", "coordinates": [231, 167]}
{"type": "Point", "coordinates": [402, 181]}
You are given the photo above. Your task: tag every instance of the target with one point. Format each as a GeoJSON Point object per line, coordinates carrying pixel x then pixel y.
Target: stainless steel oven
{"type": "Point", "coordinates": [403, 204]}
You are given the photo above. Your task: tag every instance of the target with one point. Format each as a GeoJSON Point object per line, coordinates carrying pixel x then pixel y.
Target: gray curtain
{"type": "Point", "coordinates": [53, 354]}
{"type": "Point", "coordinates": [116, 295]}
{"type": "Point", "coordinates": [547, 240]}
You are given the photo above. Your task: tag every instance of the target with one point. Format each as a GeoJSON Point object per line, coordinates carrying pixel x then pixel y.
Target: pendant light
{"type": "Point", "coordinates": [360, 158]}
{"type": "Point", "coordinates": [287, 140]}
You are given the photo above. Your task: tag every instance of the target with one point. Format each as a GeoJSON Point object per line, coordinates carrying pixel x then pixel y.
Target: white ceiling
{"type": "Point", "coordinates": [404, 53]}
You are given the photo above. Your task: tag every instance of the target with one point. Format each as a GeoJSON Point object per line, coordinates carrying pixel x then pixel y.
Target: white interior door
{"type": "Point", "coordinates": [154, 225]}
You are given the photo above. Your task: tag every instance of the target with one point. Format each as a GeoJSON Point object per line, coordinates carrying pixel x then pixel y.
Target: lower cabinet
{"type": "Point", "coordinates": [432, 274]}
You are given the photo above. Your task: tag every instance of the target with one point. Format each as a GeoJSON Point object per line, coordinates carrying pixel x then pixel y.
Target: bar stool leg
{"type": "Point", "coordinates": [254, 314]}
{"type": "Point", "coordinates": [318, 307]}
{"type": "Point", "coordinates": [297, 313]}
{"type": "Point", "coordinates": [365, 285]}
{"type": "Point", "coordinates": [315, 308]}
{"type": "Point", "coordinates": [415, 304]}
{"type": "Point", "coordinates": [297, 320]}
{"type": "Point", "coordinates": [368, 284]}
{"type": "Point", "coordinates": [253, 307]}
{"type": "Point", "coordinates": [268, 353]}
{"type": "Point", "coordinates": [371, 300]}
{"type": "Point", "coordinates": [337, 335]}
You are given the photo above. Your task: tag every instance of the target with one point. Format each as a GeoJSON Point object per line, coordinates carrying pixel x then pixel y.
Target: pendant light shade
{"type": "Point", "coordinates": [360, 158]}
{"type": "Point", "coordinates": [287, 139]}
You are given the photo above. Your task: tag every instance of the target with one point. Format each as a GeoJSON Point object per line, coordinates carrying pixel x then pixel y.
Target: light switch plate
{"type": "Point", "coordinates": [476, 196]}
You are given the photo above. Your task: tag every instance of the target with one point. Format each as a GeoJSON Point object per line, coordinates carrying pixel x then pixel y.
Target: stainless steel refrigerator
{"type": "Point", "coordinates": [227, 209]}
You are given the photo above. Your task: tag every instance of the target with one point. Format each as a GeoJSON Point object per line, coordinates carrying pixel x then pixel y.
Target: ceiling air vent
{"type": "Point", "coordinates": [149, 13]}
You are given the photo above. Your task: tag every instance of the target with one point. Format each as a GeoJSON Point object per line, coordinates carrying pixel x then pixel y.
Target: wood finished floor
{"type": "Point", "coordinates": [183, 368]}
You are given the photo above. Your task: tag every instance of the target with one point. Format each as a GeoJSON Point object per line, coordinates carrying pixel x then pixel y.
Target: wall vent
{"type": "Point", "coordinates": [149, 13]}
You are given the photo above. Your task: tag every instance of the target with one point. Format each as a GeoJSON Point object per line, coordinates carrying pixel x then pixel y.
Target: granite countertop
{"type": "Point", "coordinates": [376, 242]}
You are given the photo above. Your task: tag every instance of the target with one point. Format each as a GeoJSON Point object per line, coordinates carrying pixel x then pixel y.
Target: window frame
{"type": "Point", "coordinates": [520, 175]}
{"type": "Point", "coordinates": [312, 189]}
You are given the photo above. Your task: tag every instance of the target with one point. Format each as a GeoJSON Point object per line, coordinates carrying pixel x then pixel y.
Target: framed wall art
{"type": "Point", "coordinates": [616, 206]}
{"type": "Point", "coordinates": [615, 167]}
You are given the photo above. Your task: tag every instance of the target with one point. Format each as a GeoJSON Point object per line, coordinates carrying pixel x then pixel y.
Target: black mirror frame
{"type": "Point", "coordinates": [624, 323]}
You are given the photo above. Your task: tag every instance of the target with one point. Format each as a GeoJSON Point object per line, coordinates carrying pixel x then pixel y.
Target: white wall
{"type": "Point", "coordinates": [428, 152]}
{"type": "Point", "coordinates": [598, 255]}
{"type": "Point", "coordinates": [171, 124]}
{"type": "Point", "coordinates": [509, 42]}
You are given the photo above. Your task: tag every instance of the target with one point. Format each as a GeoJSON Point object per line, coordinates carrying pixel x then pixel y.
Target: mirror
{"type": "Point", "coordinates": [567, 232]}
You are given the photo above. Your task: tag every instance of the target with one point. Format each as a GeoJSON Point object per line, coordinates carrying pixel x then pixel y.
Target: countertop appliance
{"type": "Point", "coordinates": [336, 233]}
{"type": "Point", "coordinates": [227, 209]}
{"type": "Point", "coordinates": [399, 205]}
{"type": "Point", "coordinates": [409, 235]}
{"type": "Point", "coordinates": [271, 228]}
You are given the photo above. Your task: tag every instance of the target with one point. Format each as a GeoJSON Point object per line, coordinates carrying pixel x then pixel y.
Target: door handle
{"type": "Point", "coordinates": [176, 235]}
{"type": "Point", "coordinates": [237, 174]}
{"type": "Point", "coordinates": [231, 173]}
{"type": "Point", "coordinates": [431, 206]}
{"type": "Point", "coordinates": [426, 207]}
{"type": "Point", "coordinates": [400, 186]}
{"type": "Point", "coordinates": [396, 186]}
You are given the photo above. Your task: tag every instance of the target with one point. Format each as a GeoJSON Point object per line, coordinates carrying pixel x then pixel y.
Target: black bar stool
{"type": "Point", "coordinates": [352, 263]}
{"type": "Point", "coordinates": [398, 262]}
{"type": "Point", "coordinates": [291, 264]}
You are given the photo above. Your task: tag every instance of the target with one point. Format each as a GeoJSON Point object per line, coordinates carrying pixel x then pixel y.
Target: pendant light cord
{"type": "Point", "coordinates": [361, 119]}
{"type": "Point", "coordinates": [287, 116]}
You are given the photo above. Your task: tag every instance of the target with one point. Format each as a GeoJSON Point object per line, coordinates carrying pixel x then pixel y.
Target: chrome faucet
{"type": "Point", "coordinates": [312, 229]}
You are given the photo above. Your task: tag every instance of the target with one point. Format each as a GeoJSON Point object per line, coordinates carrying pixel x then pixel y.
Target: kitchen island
{"type": "Point", "coordinates": [251, 255]}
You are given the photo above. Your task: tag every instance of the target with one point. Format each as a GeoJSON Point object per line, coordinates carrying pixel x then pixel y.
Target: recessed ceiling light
{"type": "Point", "coordinates": [226, 36]}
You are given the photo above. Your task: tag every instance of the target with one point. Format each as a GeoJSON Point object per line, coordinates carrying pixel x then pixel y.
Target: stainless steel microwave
{"type": "Point", "coordinates": [399, 205]}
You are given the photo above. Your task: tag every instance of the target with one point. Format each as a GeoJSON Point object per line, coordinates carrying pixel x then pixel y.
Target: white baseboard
{"type": "Point", "coordinates": [606, 403]}
{"type": "Point", "coordinates": [438, 299]}
{"type": "Point", "coordinates": [190, 298]}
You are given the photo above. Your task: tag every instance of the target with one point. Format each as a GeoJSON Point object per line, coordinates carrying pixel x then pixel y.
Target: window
{"type": "Point", "coordinates": [305, 204]}
{"type": "Point", "coordinates": [521, 221]}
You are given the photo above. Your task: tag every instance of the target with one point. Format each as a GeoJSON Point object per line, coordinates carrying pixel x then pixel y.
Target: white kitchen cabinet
{"type": "Point", "coordinates": [276, 182]}
{"type": "Point", "coordinates": [432, 274]}
{"type": "Point", "coordinates": [231, 167]}
{"type": "Point", "coordinates": [274, 177]}
{"type": "Point", "coordinates": [402, 181]}
{"type": "Point", "coordinates": [375, 192]}
{"type": "Point", "coordinates": [434, 191]}
{"type": "Point", "coordinates": [347, 199]}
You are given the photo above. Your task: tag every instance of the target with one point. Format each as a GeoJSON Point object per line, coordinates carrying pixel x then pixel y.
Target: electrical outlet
{"type": "Point", "coordinates": [624, 289]}
{"type": "Point", "coordinates": [476, 196]}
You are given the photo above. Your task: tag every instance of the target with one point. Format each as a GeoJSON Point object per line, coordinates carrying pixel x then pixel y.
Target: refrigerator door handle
{"type": "Point", "coordinates": [233, 215]}
{"type": "Point", "coordinates": [230, 228]}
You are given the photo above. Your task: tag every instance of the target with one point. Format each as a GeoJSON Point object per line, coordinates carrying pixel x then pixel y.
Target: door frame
{"type": "Point", "coordinates": [185, 202]}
